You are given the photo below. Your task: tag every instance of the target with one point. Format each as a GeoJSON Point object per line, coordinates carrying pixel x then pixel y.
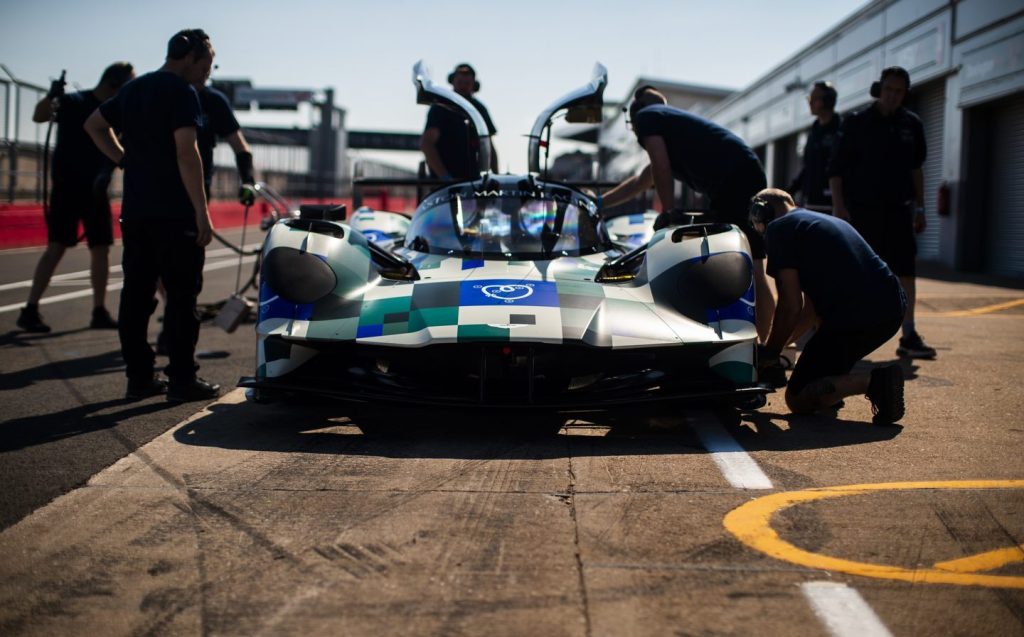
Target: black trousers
{"type": "Point", "coordinates": [164, 251]}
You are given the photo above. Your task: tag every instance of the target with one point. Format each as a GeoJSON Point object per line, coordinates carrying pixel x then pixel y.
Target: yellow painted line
{"type": "Point", "coordinates": [751, 524]}
{"type": "Point", "coordinates": [978, 311]}
{"type": "Point", "coordinates": [988, 561]}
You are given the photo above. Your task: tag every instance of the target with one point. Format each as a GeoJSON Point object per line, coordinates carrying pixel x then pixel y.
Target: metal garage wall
{"type": "Point", "coordinates": [930, 105]}
{"type": "Point", "coordinates": [1005, 241]}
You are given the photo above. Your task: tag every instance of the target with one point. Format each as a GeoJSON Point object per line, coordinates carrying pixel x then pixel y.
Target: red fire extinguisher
{"type": "Point", "coordinates": [942, 205]}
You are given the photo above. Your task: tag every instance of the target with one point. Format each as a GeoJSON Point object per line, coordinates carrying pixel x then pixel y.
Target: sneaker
{"type": "Point", "coordinates": [885, 391]}
{"type": "Point", "coordinates": [31, 320]}
{"type": "Point", "coordinates": [137, 390]}
{"type": "Point", "coordinates": [913, 346]}
{"type": "Point", "coordinates": [101, 319]}
{"type": "Point", "coordinates": [198, 389]}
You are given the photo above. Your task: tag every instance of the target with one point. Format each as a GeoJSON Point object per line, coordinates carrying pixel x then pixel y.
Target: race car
{"type": "Point", "coordinates": [506, 290]}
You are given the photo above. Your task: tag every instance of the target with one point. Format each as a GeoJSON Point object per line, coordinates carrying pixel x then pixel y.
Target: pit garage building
{"type": "Point", "coordinates": [966, 63]}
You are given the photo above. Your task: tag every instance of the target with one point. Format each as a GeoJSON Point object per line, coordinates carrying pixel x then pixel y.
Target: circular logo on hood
{"type": "Point", "coordinates": [507, 292]}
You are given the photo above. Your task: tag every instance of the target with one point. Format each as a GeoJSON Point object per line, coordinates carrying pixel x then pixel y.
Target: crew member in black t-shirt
{"type": "Point", "coordinates": [165, 223]}
{"type": "Point", "coordinates": [878, 186]}
{"type": "Point", "coordinates": [449, 142]}
{"type": "Point", "coordinates": [823, 267]}
{"type": "Point", "coordinates": [81, 176]}
{"type": "Point", "coordinates": [218, 122]}
{"type": "Point", "coordinates": [709, 159]}
{"type": "Point", "coordinates": [821, 142]}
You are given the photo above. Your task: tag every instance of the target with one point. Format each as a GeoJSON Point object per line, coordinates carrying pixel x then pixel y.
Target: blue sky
{"type": "Point", "coordinates": [526, 52]}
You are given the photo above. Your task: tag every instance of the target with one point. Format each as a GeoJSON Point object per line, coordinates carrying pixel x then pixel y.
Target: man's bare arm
{"type": "Point", "coordinates": [787, 311]}
{"type": "Point", "coordinates": [102, 135]}
{"type": "Point", "coordinates": [43, 111]}
{"type": "Point", "coordinates": [237, 142]}
{"type": "Point", "coordinates": [190, 166]}
{"type": "Point", "coordinates": [919, 219]}
{"type": "Point", "coordinates": [661, 170]}
{"type": "Point", "coordinates": [835, 184]}
{"type": "Point", "coordinates": [629, 188]}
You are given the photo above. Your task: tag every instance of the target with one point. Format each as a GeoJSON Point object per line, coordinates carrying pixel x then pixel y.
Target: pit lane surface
{"type": "Point", "coordinates": [315, 519]}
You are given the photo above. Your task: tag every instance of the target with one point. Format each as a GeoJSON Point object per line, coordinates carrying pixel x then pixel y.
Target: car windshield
{"type": "Point", "coordinates": [507, 224]}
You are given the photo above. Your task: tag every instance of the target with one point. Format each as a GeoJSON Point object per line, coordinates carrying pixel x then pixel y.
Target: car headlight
{"type": "Point", "coordinates": [715, 281]}
{"type": "Point", "coordinates": [297, 276]}
{"type": "Point", "coordinates": [696, 286]}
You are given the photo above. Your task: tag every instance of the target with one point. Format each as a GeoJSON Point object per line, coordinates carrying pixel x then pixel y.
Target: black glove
{"type": "Point", "coordinates": [246, 195]}
{"type": "Point", "coordinates": [56, 88]}
{"type": "Point", "coordinates": [769, 367]}
{"type": "Point", "coordinates": [674, 217]}
{"type": "Point", "coordinates": [244, 163]}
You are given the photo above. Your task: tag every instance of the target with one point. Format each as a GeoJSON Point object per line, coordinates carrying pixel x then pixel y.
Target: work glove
{"type": "Point", "coordinates": [56, 89]}
{"type": "Point", "coordinates": [246, 195]}
{"type": "Point", "coordinates": [674, 217]}
{"type": "Point", "coordinates": [770, 368]}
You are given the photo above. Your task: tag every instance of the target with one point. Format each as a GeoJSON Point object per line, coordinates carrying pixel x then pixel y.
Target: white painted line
{"type": "Point", "coordinates": [46, 300]}
{"type": "Point", "coordinates": [114, 269]}
{"type": "Point", "coordinates": [735, 464]}
{"type": "Point", "coordinates": [843, 611]}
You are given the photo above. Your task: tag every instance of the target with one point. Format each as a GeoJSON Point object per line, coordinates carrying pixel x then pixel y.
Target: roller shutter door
{"type": "Point", "coordinates": [1005, 244]}
{"type": "Point", "coordinates": [931, 108]}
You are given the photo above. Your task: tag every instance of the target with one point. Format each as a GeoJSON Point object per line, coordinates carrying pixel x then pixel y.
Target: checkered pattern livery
{"type": "Point", "coordinates": [460, 299]}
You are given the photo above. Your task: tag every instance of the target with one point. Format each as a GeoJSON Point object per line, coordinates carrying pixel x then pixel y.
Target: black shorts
{"type": "Point", "coordinates": [835, 352]}
{"type": "Point", "coordinates": [890, 233]}
{"type": "Point", "coordinates": [71, 205]}
{"type": "Point", "coordinates": [732, 204]}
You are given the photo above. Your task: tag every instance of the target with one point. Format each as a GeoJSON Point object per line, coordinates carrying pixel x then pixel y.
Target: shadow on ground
{"type": "Point", "coordinates": [417, 433]}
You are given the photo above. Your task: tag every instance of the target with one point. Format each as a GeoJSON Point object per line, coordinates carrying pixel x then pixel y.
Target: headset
{"type": "Point", "coordinates": [899, 71]}
{"type": "Point", "coordinates": [187, 41]}
{"type": "Point", "coordinates": [464, 68]}
{"type": "Point", "coordinates": [830, 93]}
{"type": "Point", "coordinates": [760, 211]}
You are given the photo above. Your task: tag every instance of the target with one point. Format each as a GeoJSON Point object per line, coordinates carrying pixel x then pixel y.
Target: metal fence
{"type": "Point", "coordinates": [21, 144]}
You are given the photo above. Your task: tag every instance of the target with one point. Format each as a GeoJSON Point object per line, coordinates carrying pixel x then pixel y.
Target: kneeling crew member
{"type": "Point", "coordinates": [822, 261]}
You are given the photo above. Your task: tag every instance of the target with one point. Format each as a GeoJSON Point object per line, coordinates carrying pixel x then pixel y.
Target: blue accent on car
{"type": "Point", "coordinates": [366, 331]}
{"type": "Point", "coordinates": [508, 292]}
{"type": "Point", "coordinates": [469, 264]}
{"type": "Point", "coordinates": [637, 218]}
{"type": "Point", "coordinates": [739, 311]}
{"type": "Point", "coordinates": [280, 308]}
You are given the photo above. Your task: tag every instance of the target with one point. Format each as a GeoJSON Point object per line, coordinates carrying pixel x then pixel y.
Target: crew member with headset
{"type": "Point", "coordinates": [81, 177]}
{"type": "Point", "coordinates": [822, 267]}
{"type": "Point", "coordinates": [709, 159]}
{"type": "Point", "coordinates": [449, 141]}
{"type": "Point", "coordinates": [821, 142]}
{"type": "Point", "coordinates": [165, 222]}
{"type": "Point", "coordinates": [878, 186]}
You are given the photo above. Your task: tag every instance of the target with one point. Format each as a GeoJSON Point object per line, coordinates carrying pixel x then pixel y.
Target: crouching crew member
{"type": "Point", "coordinates": [821, 261]}
{"type": "Point", "coordinates": [165, 223]}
